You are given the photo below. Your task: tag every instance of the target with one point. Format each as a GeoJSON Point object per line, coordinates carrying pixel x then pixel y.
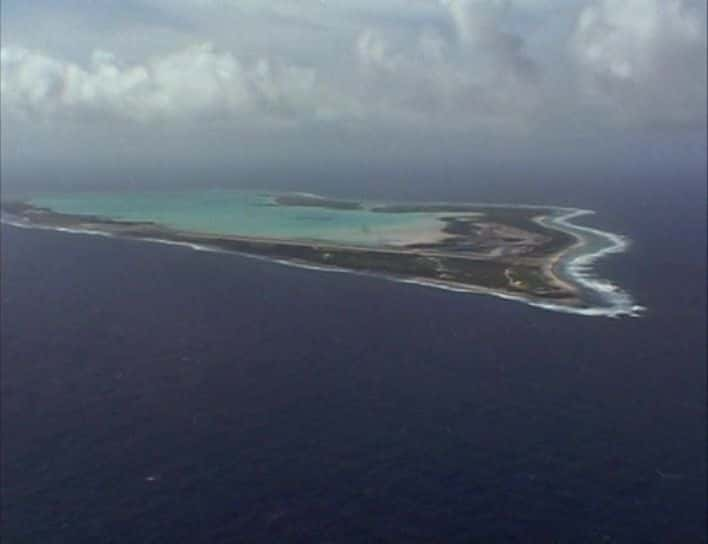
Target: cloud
{"type": "Point", "coordinates": [196, 82]}
{"type": "Point", "coordinates": [478, 75]}
{"type": "Point", "coordinates": [471, 64]}
{"type": "Point", "coordinates": [644, 60]}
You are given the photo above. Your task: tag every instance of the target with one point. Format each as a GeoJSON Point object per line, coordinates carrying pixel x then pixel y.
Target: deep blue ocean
{"type": "Point", "coordinates": [152, 393]}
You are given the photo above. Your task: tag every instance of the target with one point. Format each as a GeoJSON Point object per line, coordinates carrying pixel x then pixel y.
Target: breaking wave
{"type": "Point", "coordinates": [614, 302]}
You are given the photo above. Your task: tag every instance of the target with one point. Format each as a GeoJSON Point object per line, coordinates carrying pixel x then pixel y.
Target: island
{"type": "Point", "coordinates": [518, 252]}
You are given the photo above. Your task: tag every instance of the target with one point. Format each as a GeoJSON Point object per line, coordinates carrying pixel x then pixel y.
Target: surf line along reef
{"type": "Point", "coordinates": [533, 254]}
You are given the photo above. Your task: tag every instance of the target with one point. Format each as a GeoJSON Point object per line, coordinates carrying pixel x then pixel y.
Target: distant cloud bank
{"type": "Point", "coordinates": [490, 69]}
{"type": "Point", "coordinates": [642, 58]}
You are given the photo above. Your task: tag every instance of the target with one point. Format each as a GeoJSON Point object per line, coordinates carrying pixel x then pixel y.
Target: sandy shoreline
{"type": "Point", "coordinates": [617, 302]}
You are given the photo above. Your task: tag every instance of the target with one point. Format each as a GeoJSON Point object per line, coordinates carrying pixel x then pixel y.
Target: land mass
{"type": "Point", "coordinates": [504, 250]}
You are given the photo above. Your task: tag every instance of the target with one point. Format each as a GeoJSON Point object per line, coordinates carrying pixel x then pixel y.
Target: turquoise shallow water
{"type": "Point", "coordinates": [247, 213]}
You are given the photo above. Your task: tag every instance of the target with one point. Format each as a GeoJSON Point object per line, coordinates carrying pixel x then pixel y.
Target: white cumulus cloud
{"type": "Point", "coordinates": [194, 82]}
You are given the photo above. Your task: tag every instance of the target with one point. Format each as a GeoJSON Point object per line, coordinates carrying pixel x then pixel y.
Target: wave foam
{"type": "Point", "coordinates": [616, 302]}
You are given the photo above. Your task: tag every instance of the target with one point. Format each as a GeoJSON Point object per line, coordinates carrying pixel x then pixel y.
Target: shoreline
{"type": "Point", "coordinates": [554, 266]}
{"type": "Point", "coordinates": [578, 267]}
{"type": "Point", "coordinates": [443, 285]}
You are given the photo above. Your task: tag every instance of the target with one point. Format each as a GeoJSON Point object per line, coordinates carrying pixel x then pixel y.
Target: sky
{"type": "Point", "coordinates": [221, 91]}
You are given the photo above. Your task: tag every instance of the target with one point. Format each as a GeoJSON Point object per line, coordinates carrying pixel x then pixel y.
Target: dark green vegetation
{"type": "Point", "coordinates": [462, 270]}
{"type": "Point", "coordinates": [48, 217]}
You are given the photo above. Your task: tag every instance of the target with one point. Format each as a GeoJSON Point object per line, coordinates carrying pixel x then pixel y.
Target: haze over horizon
{"type": "Point", "coordinates": [215, 91]}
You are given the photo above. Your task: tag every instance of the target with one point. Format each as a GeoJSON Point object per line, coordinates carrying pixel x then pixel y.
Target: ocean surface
{"type": "Point", "coordinates": [152, 393]}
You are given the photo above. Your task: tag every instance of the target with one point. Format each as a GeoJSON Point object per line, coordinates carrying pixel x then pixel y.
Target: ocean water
{"type": "Point", "coordinates": [242, 212]}
{"type": "Point", "coordinates": [156, 394]}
